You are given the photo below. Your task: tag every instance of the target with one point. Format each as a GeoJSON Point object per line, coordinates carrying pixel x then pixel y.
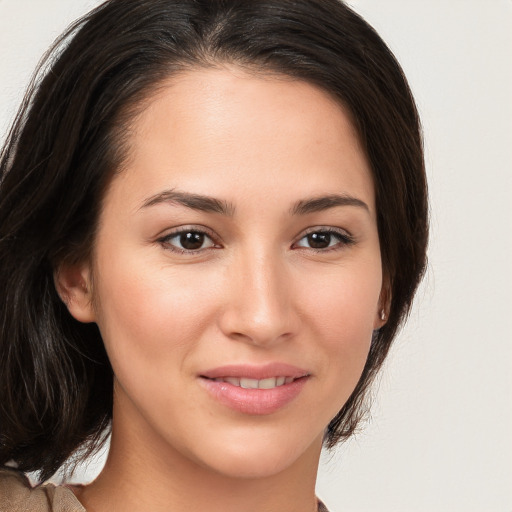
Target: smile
{"type": "Point", "coordinates": [255, 390]}
{"type": "Point", "coordinates": [247, 383]}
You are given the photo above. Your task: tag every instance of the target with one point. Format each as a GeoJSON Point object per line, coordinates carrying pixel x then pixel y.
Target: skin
{"type": "Point", "coordinates": [255, 292]}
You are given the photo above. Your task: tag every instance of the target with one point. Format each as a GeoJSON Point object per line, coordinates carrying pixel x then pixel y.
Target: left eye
{"type": "Point", "coordinates": [189, 240]}
{"type": "Point", "coordinates": [324, 240]}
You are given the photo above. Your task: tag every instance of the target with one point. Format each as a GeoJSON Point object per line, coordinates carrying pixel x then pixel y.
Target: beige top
{"type": "Point", "coordinates": [17, 495]}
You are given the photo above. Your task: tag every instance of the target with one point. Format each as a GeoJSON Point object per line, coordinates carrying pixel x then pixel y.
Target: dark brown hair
{"type": "Point", "coordinates": [69, 139]}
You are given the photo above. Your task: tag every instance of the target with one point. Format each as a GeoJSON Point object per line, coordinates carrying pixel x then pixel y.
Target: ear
{"type": "Point", "coordinates": [74, 286]}
{"type": "Point", "coordinates": [384, 305]}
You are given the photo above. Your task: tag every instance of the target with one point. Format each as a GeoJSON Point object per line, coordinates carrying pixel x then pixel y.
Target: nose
{"type": "Point", "coordinates": [259, 307]}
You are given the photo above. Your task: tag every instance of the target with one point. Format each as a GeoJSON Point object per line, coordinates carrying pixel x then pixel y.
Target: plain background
{"type": "Point", "coordinates": [440, 436]}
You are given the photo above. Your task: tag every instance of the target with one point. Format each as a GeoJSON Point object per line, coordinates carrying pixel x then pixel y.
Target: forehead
{"type": "Point", "coordinates": [214, 130]}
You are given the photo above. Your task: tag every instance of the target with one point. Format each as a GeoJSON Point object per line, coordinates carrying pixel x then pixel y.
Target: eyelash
{"type": "Point", "coordinates": [165, 240]}
{"type": "Point", "coordinates": [344, 240]}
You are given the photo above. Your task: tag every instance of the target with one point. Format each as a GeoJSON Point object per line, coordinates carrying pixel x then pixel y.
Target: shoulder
{"type": "Point", "coordinates": [17, 495]}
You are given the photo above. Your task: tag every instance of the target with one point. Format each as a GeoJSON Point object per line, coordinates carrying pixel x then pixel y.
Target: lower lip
{"type": "Point", "coordinates": [254, 401]}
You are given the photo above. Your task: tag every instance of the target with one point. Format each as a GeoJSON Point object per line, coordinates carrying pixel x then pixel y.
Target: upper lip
{"type": "Point", "coordinates": [258, 372]}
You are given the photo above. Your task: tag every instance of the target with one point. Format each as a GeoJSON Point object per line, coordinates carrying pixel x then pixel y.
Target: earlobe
{"type": "Point", "coordinates": [380, 318]}
{"type": "Point", "coordinates": [74, 286]}
{"type": "Point", "coordinates": [383, 306]}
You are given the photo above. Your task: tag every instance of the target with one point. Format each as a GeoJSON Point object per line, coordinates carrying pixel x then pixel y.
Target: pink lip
{"type": "Point", "coordinates": [256, 372]}
{"type": "Point", "coordinates": [254, 401]}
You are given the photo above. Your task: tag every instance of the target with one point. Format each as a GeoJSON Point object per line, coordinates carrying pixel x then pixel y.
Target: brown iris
{"type": "Point", "coordinates": [319, 240]}
{"type": "Point", "coordinates": [192, 240]}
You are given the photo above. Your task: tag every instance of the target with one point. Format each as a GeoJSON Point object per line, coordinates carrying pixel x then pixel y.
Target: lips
{"type": "Point", "coordinates": [246, 383]}
{"type": "Point", "coordinates": [255, 390]}
{"type": "Point", "coordinates": [259, 372]}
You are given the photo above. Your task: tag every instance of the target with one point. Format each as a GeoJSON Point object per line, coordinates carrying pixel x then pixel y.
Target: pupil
{"type": "Point", "coordinates": [192, 240]}
{"type": "Point", "coordinates": [319, 240]}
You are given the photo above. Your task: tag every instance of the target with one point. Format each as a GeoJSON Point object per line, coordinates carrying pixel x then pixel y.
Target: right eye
{"type": "Point", "coordinates": [187, 240]}
{"type": "Point", "coordinates": [325, 239]}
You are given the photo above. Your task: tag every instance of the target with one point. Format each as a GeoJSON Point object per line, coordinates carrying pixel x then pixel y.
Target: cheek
{"type": "Point", "coordinates": [341, 309]}
{"type": "Point", "coordinates": [346, 299]}
{"type": "Point", "coordinates": [151, 316]}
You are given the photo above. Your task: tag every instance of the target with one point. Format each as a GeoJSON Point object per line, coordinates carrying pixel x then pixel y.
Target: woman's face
{"type": "Point", "coordinates": [237, 248]}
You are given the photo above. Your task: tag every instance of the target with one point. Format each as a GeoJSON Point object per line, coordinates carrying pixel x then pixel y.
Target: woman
{"type": "Point", "coordinates": [213, 220]}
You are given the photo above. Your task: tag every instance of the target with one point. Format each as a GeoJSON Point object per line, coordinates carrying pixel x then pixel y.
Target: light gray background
{"type": "Point", "coordinates": [440, 437]}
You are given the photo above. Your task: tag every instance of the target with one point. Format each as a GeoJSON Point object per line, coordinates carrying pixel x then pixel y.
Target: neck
{"type": "Point", "coordinates": [155, 476]}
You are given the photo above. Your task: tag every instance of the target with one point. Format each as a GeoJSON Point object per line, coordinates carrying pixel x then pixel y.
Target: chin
{"type": "Point", "coordinates": [261, 458]}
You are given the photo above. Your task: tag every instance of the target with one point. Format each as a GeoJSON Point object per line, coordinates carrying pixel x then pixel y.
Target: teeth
{"type": "Point", "coordinates": [246, 383]}
{"type": "Point", "coordinates": [267, 383]}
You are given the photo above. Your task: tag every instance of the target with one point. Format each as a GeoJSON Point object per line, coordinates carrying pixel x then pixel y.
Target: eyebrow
{"type": "Point", "coordinates": [193, 201]}
{"type": "Point", "coordinates": [317, 204]}
{"type": "Point", "coordinates": [213, 205]}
